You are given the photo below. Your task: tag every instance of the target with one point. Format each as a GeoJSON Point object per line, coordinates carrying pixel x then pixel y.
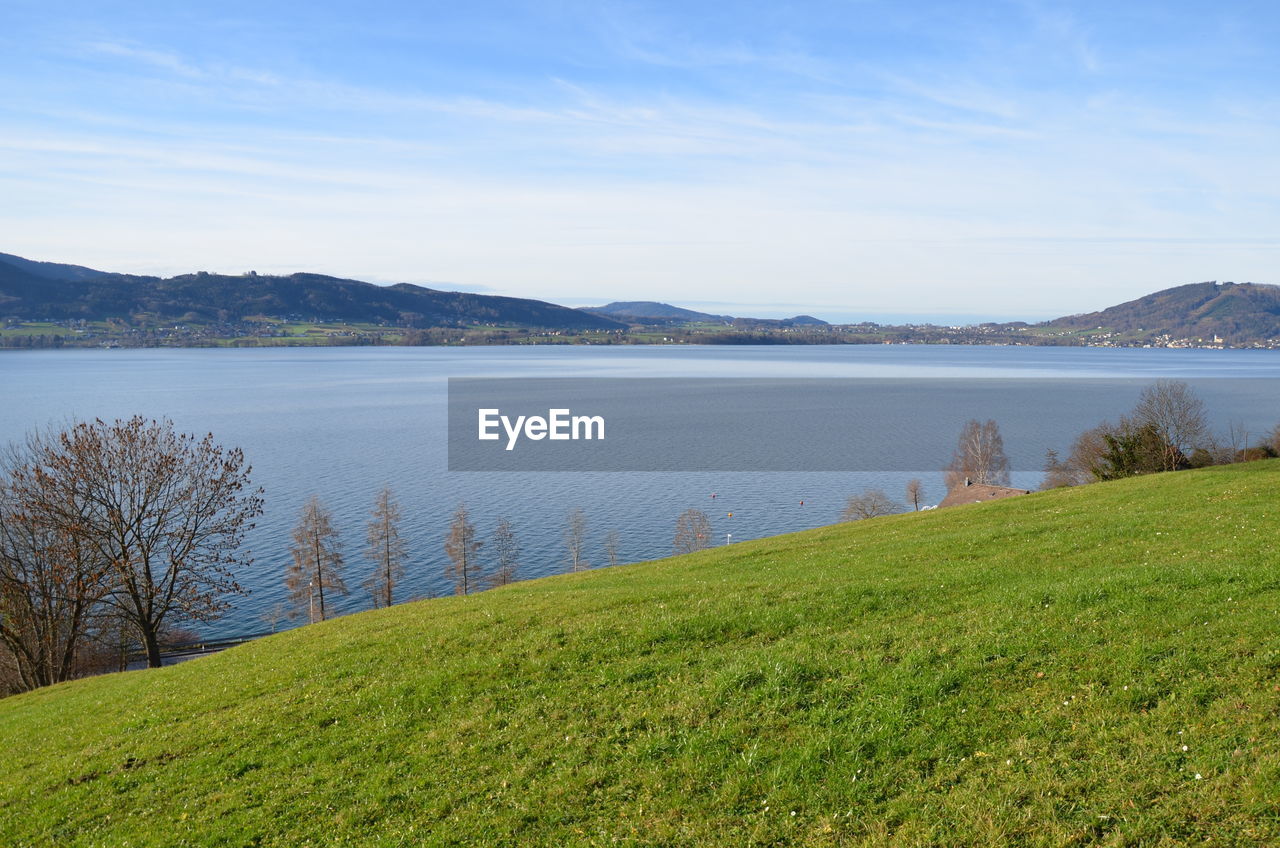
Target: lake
{"type": "Point", "coordinates": [342, 422]}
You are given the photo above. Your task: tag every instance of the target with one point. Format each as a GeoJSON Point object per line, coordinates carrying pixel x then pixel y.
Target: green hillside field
{"type": "Point", "coordinates": [1098, 665]}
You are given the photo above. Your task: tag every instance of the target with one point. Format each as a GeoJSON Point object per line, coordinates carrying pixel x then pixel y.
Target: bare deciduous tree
{"type": "Point", "coordinates": [317, 562]}
{"type": "Point", "coordinates": [165, 510]}
{"type": "Point", "coordinates": [49, 591]}
{"type": "Point", "coordinates": [1088, 452]}
{"type": "Point", "coordinates": [611, 547]}
{"type": "Point", "coordinates": [120, 640]}
{"type": "Point", "coordinates": [915, 493]}
{"type": "Point", "coordinates": [1177, 416]}
{"type": "Point", "coordinates": [274, 615]}
{"type": "Point", "coordinates": [51, 581]}
{"type": "Point", "coordinates": [1237, 439]}
{"type": "Point", "coordinates": [1057, 473]}
{"type": "Point", "coordinates": [979, 456]}
{"type": "Point", "coordinates": [870, 504]}
{"type": "Point", "coordinates": [506, 553]}
{"type": "Point", "coordinates": [693, 531]}
{"type": "Point", "coordinates": [575, 539]}
{"type": "Point", "coordinates": [385, 546]}
{"type": "Point", "coordinates": [462, 547]}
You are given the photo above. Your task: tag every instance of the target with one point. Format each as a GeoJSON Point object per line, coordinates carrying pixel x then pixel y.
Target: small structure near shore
{"type": "Point", "coordinates": [970, 492]}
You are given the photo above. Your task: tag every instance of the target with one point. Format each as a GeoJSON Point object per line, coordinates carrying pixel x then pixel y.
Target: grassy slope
{"type": "Point", "coordinates": [1025, 671]}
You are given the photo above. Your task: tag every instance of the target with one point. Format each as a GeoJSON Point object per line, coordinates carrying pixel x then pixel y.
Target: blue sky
{"type": "Point", "coordinates": [846, 159]}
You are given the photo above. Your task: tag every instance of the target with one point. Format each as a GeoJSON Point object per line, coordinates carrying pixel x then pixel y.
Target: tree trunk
{"type": "Point", "coordinates": [151, 639]}
{"type": "Point", "coordinates": [386, 561]}
{"type": "Point", "coordinates": [319, 576]}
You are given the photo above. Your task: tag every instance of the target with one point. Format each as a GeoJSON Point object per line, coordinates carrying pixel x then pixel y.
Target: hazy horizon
{"type": "Point", "coordinates": [1015, 161]}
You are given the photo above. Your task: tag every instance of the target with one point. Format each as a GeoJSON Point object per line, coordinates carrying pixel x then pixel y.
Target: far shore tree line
{"type": "Point", "coordinates": [1167, 430]}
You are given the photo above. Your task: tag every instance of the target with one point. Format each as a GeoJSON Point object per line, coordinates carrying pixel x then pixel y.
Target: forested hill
{"type": "Point", "coordinates": [1233, 311]}
{"type": "Point", "coordinates": [37, 290]}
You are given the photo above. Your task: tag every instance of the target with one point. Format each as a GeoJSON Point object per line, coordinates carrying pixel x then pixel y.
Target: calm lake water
{"type": "Point", "coordinates": [342, 422]}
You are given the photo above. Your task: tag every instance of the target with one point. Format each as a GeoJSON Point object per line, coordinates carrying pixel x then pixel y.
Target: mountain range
{"type": "Point", "coordinates": [32, 290]}
{"type": "Point", "coordinates": [46, 290]}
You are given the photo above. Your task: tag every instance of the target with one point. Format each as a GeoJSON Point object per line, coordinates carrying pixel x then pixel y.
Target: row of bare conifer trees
{"type": "Point", "coordinates": [314, 576]}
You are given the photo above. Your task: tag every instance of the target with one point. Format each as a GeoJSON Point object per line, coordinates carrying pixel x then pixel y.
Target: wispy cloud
{"type": "Point", "coordinates": [157, 59]}
{"type": "Point", "coordinates": [1063, 28]}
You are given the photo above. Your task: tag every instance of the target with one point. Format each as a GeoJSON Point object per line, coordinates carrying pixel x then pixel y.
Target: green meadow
{"type": "Point", "coordinates": [1098, 665]}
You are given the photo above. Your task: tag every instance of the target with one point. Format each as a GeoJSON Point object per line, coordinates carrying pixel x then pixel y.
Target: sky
{"type": "Point", "coordinates": [850, 160]}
